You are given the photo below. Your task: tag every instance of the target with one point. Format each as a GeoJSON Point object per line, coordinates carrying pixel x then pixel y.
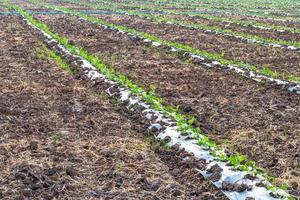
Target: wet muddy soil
{"type": "Point", "coordinates": [254, 119]}
{"type": "Point", "coordinates": [60, 139]}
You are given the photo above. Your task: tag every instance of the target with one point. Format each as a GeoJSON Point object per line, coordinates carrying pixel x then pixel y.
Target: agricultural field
{"type": "Point", "coordinates": [156, 99]}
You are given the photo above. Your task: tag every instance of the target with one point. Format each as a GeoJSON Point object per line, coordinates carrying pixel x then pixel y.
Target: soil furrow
{"type": "Point", "coordinates": [269, 21]}
{"type": "Point", "coordinates": [289, 36]}
{"type": "Point", "coordinates": [256, 31]}
{"type": "Point", "coordinates": [285, 62]}
{"type": "Point", "coordinates": [60, 139]}
{"type": "Point", "coordinates": [262, 69]}
{"type": "Point", "coordinates": [260, 121]}
{"type": "Point", "coordinates": [266, 20]}
{"type": "Point", "coordinates": [246, 29]}
{"type": "Point", "coordinates": [235, 27]}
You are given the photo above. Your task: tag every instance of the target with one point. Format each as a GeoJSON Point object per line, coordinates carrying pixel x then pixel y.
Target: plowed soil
{"type": "Point", "coordinates": [258, 19]}
{"type": "Point", "coordinates": [59, 139]}
{"type": "Point", "coordinates": [288, 36]}
{"type": "Point", "coordinates": [254, 119]}
{"type": "Point", "coordinates": [286, 62]}
{"type": "Point", "coordinates": [291, 24]}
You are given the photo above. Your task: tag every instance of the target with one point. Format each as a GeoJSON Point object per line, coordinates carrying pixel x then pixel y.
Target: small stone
{"type": "Point", "coordinates": [26, 192]}
{"type": "Point", "coordinates": [176, 193]}
{"type": "Point", "coordinates": [215, 177]}
{"type": "Point", "coordinates": [167, 139]}
{"type": "Point", "coordinates": [176, 172]}
{"type": "Point", "coordinates": [176, 147]}
{"type": "Point", "coordinates": [273, 195]}
{"type": "Point", "coordinates": [214, 169]}
{"type": "Point", "coordinates": [3, 109]}
{"type": "Point", "coordinates": [250, 177]}
{"type": "Point", "coordinates": [153, 129]}
{"type": "Point", "coordinates": [201, 164]}
{"type": "Point", "coordinates": [51, 148]}
{"type": "Point", "coordinates": [54, 170]}
{"type": "Point", "coordinates": [187, 109]}
{"type": "Point", "coordinates": [36, 186]}
{"type": "Point", "coordinates": [154, 117]}
{"type": "Point", "coordinates": [71, 42]}
{"type": "Point", "coordinates": [235, 187]}
{"type": "Point", "coordinates": [71, 172]}
{"type": "Point", "coordinates": [19, 198]}
{"type": "Point", "coordinates": [259, 184]}
{"type": "Point", "coordinates": [119, 182]}
{"type": "Point", "coordinates": [20, 175]}
{"type": "Point", "coordinates": [33, 145]}
{"type": "Point", "coordinates": [297, 153]}
{"type": "Point", "coordinates": [241, 187]}
{"type": "Point", "coordinates": [295, 173]}
{"type": "Point", "coordinates": [227, 186]}
{"type": "Point", "coordinates": [294, 185]}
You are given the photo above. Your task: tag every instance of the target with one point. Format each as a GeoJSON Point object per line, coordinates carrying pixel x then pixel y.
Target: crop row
{"type": "Point", "coordinates": [242, 68]}
{"type": "Point", "coordinates": [224, 5]}
{"type": "Point", "coordinates": [156, 103]}
{"type": "Point", "coordinates": [206, 28]}
{"type": "Point", "coordinates": [211, 9]}
{"type": "Point", "coordinates": [250, 23]}
{"type": "Point", "coordinates": [245, 22]}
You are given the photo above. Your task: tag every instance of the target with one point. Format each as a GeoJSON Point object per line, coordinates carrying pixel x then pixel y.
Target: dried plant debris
{"type": "Point", "coordinates": [59, 139]}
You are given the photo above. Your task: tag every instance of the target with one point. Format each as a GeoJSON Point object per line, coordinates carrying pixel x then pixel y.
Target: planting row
{"type": "Point", "coordinates": [219, 8]}
{"type": "Point", "coordinates": [192, 10]}
{"type": "Point", "coordinates": [266, 22]}
{"type": "Point", "coordinates": [251, 23]}
{"type": "Point", "coordinates": [86, 147]}
{"type": "Point", "coordinates": [219, 57]}
{"type": "Point", "coordinates": [231, 23]}
{"type": "Point", "coordinates": [216, 115]}
{"type": "Point", "coordinates": [244, 4]}
{"type": "Point", "coordinates": [280, 33]}
{"type": "Point", "coordinates": [227, 178]}
{"type": "Point", "coordinates": [245, 35]}
{"type": "Point", "coordinates": [285, 62]}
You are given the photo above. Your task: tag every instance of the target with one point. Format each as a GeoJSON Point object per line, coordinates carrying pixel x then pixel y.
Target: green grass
{"type": "Point", "coordinates": [51, 54]}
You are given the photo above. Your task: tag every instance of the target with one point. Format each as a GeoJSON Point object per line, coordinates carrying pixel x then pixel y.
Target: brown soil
{"type": "Point", "coordinates": [288, 36]}
{"type": "Point", "coordinates": [263, 33]}
{"type": "Point", "coordinates": [59, 139]}
{"type": "Point", "coordinates": [254, 119]}
{"type": "Point", "coordinates": [286, 62]}
{"type": "Point", "coordinates": [233, 9]}
{"type": "Point", "coordinates": [244, 11]}
{"type": "Point", "coordinates": [271, 22]}
{"type": "Point", "coordinates": [258, 19]}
